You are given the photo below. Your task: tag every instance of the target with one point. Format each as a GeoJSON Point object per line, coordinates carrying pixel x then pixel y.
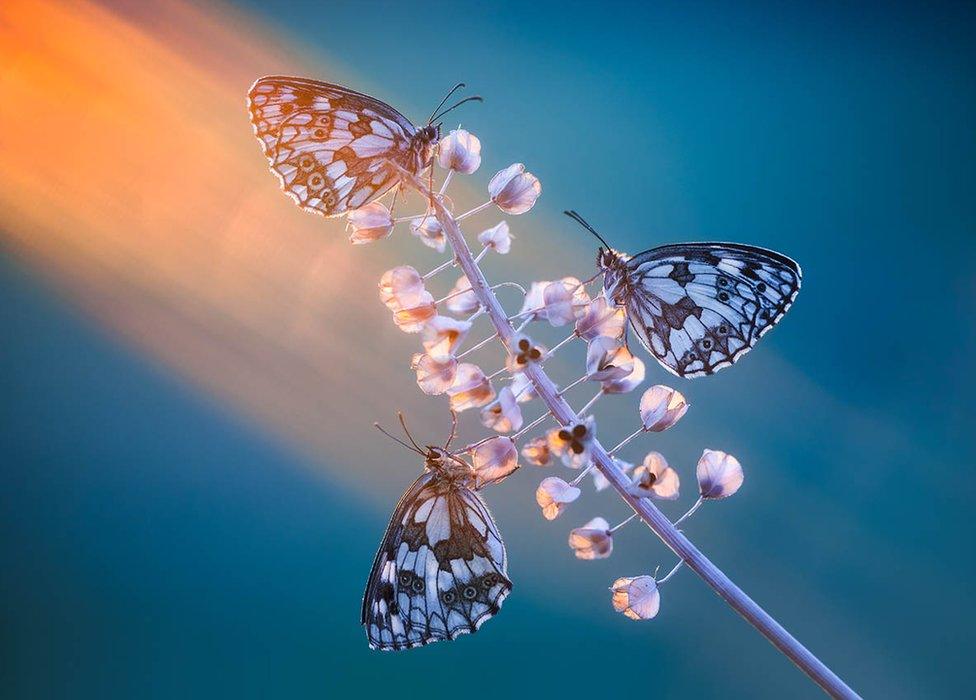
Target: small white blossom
{"type": "Point", "coordinates": [719, 474]}
{"type": "Point", "coordinates": [434, 377]}
{"type": "Point", "coordinates": [572, 444]}
{"type": "Point", "coordinates": [460, 150]}
{"type": "Point", "coordinates": [655, 479]}
{"type": "Point", "coordinates": [637, 597]}
{"type": "Point", "coordinates": [493, 460]}
{"type": "Point", "coordinates": [370, 223]}
{"type": "Point", "coordinates": [522, 388]}
{"type": "Point", "coordinates": [504, 415]}
{"type": "Point", "coordinates": [524, 353]}
{"type": "Point", "coordinates": [608, 360]}
{"type": "Point", "coordinates": [626, 384]}
{"type": "Point", "coordinates": [601, 319]}
{"type": "Point", "coordinates": [513, 190]}
{"type": "Point", "coordinates": [498, 238]}
{"type": "Point", "coordinates": [553, 495]}
{"type": "Point", "coordinates": [661, 407]}
{"type": "Point", "coordinates": [592, 541]}
{"type": "Point", "coordinates": [565, 300]}
{"type": "Point", "coordinates": [443, 335]}
{"type": "Point", "coordinates": [461, 299]}
{"type": "Point", "coordinates": [534, 306]}
{"type": "Point", "coordinates": [401, 288]}
{"type": "Point", "coordinates": [428, 229]}
{"type": "Point", "coordinates": [471, 388]}
{"type": "Point", "coordinates": [536, 451]}
{"type": "Point", "coordinates": [414, 318]}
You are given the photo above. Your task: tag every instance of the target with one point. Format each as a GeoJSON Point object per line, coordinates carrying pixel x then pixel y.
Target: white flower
{"type": "Point", "coordinates": [370, 223]}
{"type": "Point", "coordinates": [428, 229]}
{"type": "Point", "coordinates": [498, 238]}
{"type": "Point", "coordinates": [434, 377]}
{"type": "Point", "coordinates": [494, 460]}
{"type": "Point", "coordinates": [412, 319]}
{"type": "Point", "coordinates": [600, 482]}
{"type": "Point", "coordinates": [460, 150]}
{"type": "Point", "coordinates": [504, 415]}
{"type": "Point", "coordinates": [573, 443]}
{"type": "Point", "coordinates": [601, 319]}
{"type": "Point", "coordinates": [553, 495]}
{"type": "Point", "coordinates": [608, 360]}
{"type": "Point", "coordinates": [443, 335]}
{"type": "Point", "coordinates": [655, 479]}
{"type": "Point", "coordinates": [461, 299]}
{"type": "Point", "coordinates": [565, 300]}
{"type": "Point", "coordinates": [637, 597]}
{"type": "Point", "coordinates": [536, 451]}
{"type": "Point", "coordinates": [719, 474]}
{"type": "Point", "coordinates": [592, 541]}
{"type": "Point", "coordinates": [401, 288]}
{"type": "Point", "coordinates": [471, 388]}
{"type": "Point", "coordinates": [513, 190]}
{"type": "Point", "coordinates": [626, 384]}
{"type": "Point", "coordinates": [661, 407]}
{"type": "Point", "coordinates": [534, 307]}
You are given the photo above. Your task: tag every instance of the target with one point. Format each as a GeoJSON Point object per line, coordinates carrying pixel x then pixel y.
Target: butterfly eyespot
{"type": "Point", "coordinates": [449, 597]}
{"type": "Point", "coordinates": [723, 296]}
{"type": "Point", "coordinates": [723, 329]}
{"type": "Point", "coordinates": [761, 287]}
{"type": "Point", "coordinates": [323, 120]}
{"type": "Point", "coordinates": [707, 343]}
{"type": "Point", "coordinates": [328, 198]}
{"type": "Point", "coordinates": [306, 162]}
{"type": "Point", "coordinates": [488, 580]}
{"type": "Point", "coordinates": [320, 133]}
{"type": "Point", "coordinates": [315, 181]}
{"type": "Point", "coordinates": [469, 592]}
{"type": "Point", "coordinates": [404, 578]}
{"type": "Point", "coordinates": [417, 586]}
{"type": "Point", "coordinates": [723, 282]}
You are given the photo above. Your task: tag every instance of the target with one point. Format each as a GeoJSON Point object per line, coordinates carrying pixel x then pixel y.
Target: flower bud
{"type": "Point", "coordinates": [607, 360]}
{"type": "Point", "coordinates": [442, 335]}
{"type": "Point", "coordinates": [434, 377]}
{"type": "Point", "coordinates": [412, 319]}
{"type": "Point", "coordinates": [498, 238]}
{"type": "Point", "coordinates": [637, 598]}
{"type": "Point", "coordinates": [428, 229]}
{"type": "Point", "coordinates": [600, 318]}
{"type": "Point", "coordinates": [494, 460]}
{"type": "Point", "coordinates": [513, 190]}
{"type": "Point", "coordinates": [471, 388]}
{"type": "Point", "coordinates": [719, 474]}
{"type": "Point", "coordinates": [370, 223]}
{"type": "Point", "coordinates": [536, 451]}
{"type": "Point", "coordinates": [553, 495]}
{"type": "Point", "coordinates": [504, 415]}
{"type": "Point", "coordinates": [655, 479]}
{"type": "Point", "coordinates": [592, 541]}
{"type": "Point", "coordinates": [462, 300]}
{"type": "Point", "coordinates": [626, 384]}
{"type": "Point", "coordinates": [661, 407]}
{"type": "Point", "coordinates": [460, 150]}
{"type": "Point", "coordinates": [400, 288]}
{"type": "Point", "coordinates": [565, 300]}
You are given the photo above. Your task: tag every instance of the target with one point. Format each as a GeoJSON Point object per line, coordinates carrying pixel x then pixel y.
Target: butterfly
{"type": "Point", "coordinates": [699, 307]}
{"type": "Point", "coordinates": [441, 569]}
{"type": "Point", "coordinates": [335, 149]}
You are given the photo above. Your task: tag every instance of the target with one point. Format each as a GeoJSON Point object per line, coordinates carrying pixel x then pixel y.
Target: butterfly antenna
{"type": "Point", "coordinates": [453, 434]}
{"type": "Point", "coordinates": [582, 222]}
{"type": "Point", "coordinates": [395, 438]}
{"type": "Point", "coordinates": [446, 98]}
{"type": "Point", "coordinates": [403, 424]}
{"type": "Point", "coordinates": [473, 98]}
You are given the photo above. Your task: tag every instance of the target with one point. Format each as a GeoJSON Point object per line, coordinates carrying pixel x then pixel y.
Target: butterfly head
{"type": "Point", "coordinates": [445, 464]}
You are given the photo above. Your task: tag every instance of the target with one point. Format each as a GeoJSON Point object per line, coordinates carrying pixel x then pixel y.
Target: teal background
{"type": "Point", "coordinates": [155, 545]}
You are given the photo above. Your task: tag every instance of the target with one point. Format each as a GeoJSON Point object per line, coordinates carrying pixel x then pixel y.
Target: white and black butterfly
{"type": "Point", "coordinates": [335, 149]}
{"type": "Point", "coordinates": [699, 307]}
{"type": "Point", "coordinates": [441, 570]}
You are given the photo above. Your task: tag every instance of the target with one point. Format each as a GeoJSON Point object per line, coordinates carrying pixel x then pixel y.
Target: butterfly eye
{"type": "Point", "coordinates": [469, 592]}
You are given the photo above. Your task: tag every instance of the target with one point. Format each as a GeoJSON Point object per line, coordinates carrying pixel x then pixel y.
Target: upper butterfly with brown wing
{"type": "Point", "coordinates": [332, 148]}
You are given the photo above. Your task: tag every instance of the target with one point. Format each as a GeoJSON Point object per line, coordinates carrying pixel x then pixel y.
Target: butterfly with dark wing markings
{"type": "Point", "coordinates": [441, 568]}
{"type": "Point", "coordinates": [335, 149]}
{"type": "Point", "coordinates": [699, 307]}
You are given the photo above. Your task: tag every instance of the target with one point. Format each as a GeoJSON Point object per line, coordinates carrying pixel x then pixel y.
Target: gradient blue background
{"type": "Point", "coordinates": [155, 545]}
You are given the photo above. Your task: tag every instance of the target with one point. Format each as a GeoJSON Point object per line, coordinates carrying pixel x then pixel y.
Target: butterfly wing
{"type": "Point", "coordinates": [328, 145]}
{"type": "Point", "coordinates": [440, 571]}
{"type": "Point", "coordinates": [699, 307]}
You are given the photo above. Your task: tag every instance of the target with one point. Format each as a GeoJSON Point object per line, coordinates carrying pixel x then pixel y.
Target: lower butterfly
{"type": "Point", "coordinates": [335, 149]}
{"type": "Point", "coordinates": [699, 307]}
{"type": "Point", "coordinates": [441, 570]}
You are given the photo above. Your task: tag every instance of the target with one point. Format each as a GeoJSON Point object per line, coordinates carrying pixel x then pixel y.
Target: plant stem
{"type": "Point", "coordinates": [648, 512]}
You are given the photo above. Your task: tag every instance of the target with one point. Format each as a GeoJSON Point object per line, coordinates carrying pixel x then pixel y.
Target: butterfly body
{"type": "Point", "coordinates": [334, 149]}
{"type": "Point", "coordinates": [441, 568]}
{"type": "Point", "coordinates": [698, 307]}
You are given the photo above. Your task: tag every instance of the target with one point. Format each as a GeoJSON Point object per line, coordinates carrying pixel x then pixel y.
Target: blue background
{"type": "Point", "coordinates": [157, 546]}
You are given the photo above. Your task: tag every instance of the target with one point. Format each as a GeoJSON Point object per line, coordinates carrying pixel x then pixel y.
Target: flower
{"type": "Point", "coordinates": [637, 597]}
{"type": "Point", "coordinates": [513, 190]}
{"type": "Point", "coordinates": [498, 238]}
{"type": "Point", "coordinates": [572, 443]}
{"type": "Point", "coordinates": [493, 460]}
{"type": "Point", "coordinates": [553, 495]}
{"type": "Point", "coordinates": [719, 474]}
{"type": "Point", "coordinates": [504, 415]}
{"type": "Point", "coordinates": [608, 359]}
{"type": "Point", "coordinates": [655, 479]}
{"type": "Point", "coordinates": [626, 384]}
{"type": "Point", "coordinates": [536, 451]}
{"type": "Point", "coordinates": [524, 353]}
{"type": "Point", "coordinates": [592, 541]}
{"type": "Point", "coordinates": [434, 376]}
{"type": "Point", "coordinates": [443, 335]}
{"type": "Point", "coordinates": [661, 407]}
{"type": "Point", "coordinates": [522, 388]}
{"type": "Point", "coordinates": [461, 299]}
{"type": "Point", "coordinates": [414, 318]}
{"type": "Point", "coordinates": [471, 388]}
{"type": "Point", "coordinates": [600, 482]}
{"type": "Point", "coordinates": [401, 288]}
{"type": "Point", "coordinates": [370, 223]}
{"type": "Point", "coordinates": [460, 150]}
{"type": "Point", "coordinates": [534, 307]}
{"type": "Point", "coordinates": [565, 300]}
{"type": "Point", "coordinates": [600, 318]}
{"type": "Point", "coordinates": [428, 229]}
